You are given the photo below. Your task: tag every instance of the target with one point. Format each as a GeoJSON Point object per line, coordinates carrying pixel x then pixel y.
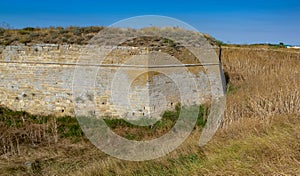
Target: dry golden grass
{"type": "Point", "coordinates": [264, 81]}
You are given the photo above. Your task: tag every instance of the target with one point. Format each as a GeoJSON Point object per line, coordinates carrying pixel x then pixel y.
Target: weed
{"type": "Point", "coordinates": [231, 89]}
{"type": "Point", "coordinates": [130, 136]}
{"type": "Point", "coordinates": [69, 127]}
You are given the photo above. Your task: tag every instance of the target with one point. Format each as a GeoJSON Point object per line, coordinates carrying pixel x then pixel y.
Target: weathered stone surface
{"type": "Point", "coordinates": [39, 78]}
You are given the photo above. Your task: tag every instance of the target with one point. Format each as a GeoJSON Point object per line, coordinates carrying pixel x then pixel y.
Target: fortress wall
{"type": "Point", "coordinates": [39, 78]}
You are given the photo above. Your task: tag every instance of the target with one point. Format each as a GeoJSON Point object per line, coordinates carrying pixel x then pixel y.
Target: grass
{"type": "Point", "coordinates": [58, 35]}
{"type": "Point", "coordinates": [249, 147]}
{"type": "Point", "coordinates": [69, 128]}
{"type": "Point", "coordinates": [168, 120]}
{"type": "Point", "coordinates": [258, 148]}
{"type": "Point", "coordinates": [20, 128]}
{"type": "Point", "coordinates": [23, 132]}
{"type": "Point", "coordinates": [261, 82]}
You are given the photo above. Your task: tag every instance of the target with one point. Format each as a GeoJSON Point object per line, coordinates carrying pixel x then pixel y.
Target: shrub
{"type": "Point", "coordinates": [23, 32]}
{"type": "Point", "coordinates": [2, 30]}
{"type": "Point", "coordinates": [29, 29]}
{"type": "Point", "coordinates": [26, 39]}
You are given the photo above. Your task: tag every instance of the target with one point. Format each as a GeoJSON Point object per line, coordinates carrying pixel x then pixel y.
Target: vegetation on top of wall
{"type": "Point", "coordinates": [53, 35]}
{"type": "Point", "coordinates": [64, 35]}
{"type": "Point", "coordinates": [214, 41]}
{"type": "Point", "coordinates": [82, 35]}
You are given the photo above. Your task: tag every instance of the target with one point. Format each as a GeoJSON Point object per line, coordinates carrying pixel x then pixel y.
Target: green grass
{"type": "Point", "coordinates": [231, 89]}
{"type": "Point", "coordinates": [19, 119]}
{"type": "Point", "coordinates": [132, 131]}
{"type": "Point", "coordinates": [69, 128]}
{"type": "Point", "coordinates": [168, 119]}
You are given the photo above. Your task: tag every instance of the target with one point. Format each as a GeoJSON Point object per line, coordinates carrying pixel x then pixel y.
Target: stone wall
{"type": "Point", "coordinates": [40, 79]}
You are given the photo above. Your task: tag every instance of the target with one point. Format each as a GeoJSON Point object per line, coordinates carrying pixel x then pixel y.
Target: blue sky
{"type": "Point", "coordinates": [245, 22]}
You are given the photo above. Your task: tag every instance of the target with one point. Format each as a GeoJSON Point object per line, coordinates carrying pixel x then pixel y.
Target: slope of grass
{"type": "Point", "coordinates": [248, 147]}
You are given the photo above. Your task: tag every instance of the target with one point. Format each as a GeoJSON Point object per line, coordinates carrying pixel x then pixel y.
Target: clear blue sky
{"type": "Point", "coordinates": [241, 21]}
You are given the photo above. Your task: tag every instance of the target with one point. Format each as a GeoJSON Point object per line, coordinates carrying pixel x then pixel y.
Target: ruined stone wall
{"type": "Point", "coordinates": [39, 78]}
